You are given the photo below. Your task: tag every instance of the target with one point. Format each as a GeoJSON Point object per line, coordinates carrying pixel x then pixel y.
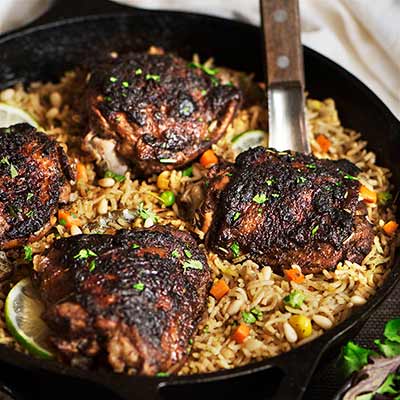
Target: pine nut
{"type": "Point", "coordinates": [106, 182]}
{"type": "Point", "coordinates": [290, 333]}
{"type": "Point", "coordinates": [102, 207]}
{"type": "Point", "coordinates": [75, 230]}
{"type": "Point", "coordinates": [52, 113]}
{"type": "Point", "coordinates": [55, 99]}
{"type": "Point", "coordinates": [323, 322]}
{"type": "Point", "coordinates": [234, 307]}
{"type": "Point", "coordinates": [266, 273]}
{"type": "Point", "coordinates": [358, 300]}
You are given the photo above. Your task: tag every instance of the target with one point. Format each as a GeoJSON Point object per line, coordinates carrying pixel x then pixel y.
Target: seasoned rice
{"type": "Point", "coordinates": [330, 296]}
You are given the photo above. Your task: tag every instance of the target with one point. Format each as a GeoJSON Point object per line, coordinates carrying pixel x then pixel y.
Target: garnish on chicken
{"type": "Point", "coordinates": [286, 208]}
{"type": "Point", "coordinates": [34, 174]}
{"type": "Point", "coordinates": [155, 112]}
{"type": "Point", "coordinates": [134, 298]}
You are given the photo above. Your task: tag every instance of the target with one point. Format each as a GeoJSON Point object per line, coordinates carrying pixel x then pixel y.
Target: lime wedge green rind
{"type": "Point", "coordinates": [10, 115]}
{"type": "Point", "coordinates": [249, 139]}
{"type": "Point", "coordinates": [33, 309]}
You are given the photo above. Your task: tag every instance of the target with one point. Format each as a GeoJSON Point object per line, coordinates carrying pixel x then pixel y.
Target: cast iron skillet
{"type": "Point", "coordinates": [44, 52]}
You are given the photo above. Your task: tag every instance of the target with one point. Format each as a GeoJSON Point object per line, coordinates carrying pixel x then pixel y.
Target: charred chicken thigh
{"type": "Point", "coordinates": [284, 208]}
{"type": "Point", "coordinates": [34, 174]}
{"type": "Point", "coordinates": [155, 112]}
{"type": "Point", "coordinates": [134, 298]}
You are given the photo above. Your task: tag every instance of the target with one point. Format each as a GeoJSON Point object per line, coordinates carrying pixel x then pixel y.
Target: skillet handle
{"type": "Point", "coordinates": [61, 9]}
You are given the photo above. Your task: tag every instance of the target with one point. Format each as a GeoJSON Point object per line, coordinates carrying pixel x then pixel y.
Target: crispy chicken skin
{"type": "Point", "coordinates": [156, 112]}
{"type": "Point", "coordinates": [286, 208]}
{"type": "Point", "coordinates": [134, 298]}
{"type": "Point", "coordinates": [34, 174]}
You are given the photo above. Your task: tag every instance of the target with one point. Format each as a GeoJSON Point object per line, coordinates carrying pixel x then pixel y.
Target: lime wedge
{"type": "Point", "coordinates": [10, 115]}
{"type": "Point", "coordinates": [249, 139]}
{"type": "Point", "coordinates": [22, 311]}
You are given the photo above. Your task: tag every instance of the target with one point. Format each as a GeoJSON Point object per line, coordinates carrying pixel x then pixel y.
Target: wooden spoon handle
{"type": "Point", "coordinates": [281, 21]}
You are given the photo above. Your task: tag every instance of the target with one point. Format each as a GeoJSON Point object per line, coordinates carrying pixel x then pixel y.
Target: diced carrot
{"type": "Point", "coordinates": [219, 289]}
{"type": "Point", "coordinates": [81, 174]}
{"type": "Point", "coordinates": [294, 275]}
{"type": "Point", "coordinates": [324, 143]}
{"type": "Point", "coordinates": [208, 159]}
{"type": "Point", "coordinates": [241, 333]}
{"type": "Point", "coordinates": [369, 196]}
{"type": "Point", "coordinates": [390, 227]}
{"type": "Point", "coordinates": [67, 219]}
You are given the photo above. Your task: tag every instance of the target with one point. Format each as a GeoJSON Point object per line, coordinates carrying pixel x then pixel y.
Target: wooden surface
{"type": "Point", "coordinates": [281, 25]}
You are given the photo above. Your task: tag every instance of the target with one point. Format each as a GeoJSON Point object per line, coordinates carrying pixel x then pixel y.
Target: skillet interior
{"type": "Point", "coordinates": [48, 51]}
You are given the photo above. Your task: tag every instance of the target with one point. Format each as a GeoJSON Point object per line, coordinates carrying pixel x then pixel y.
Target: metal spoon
{"type": "Point", "coordinates": [285, 73]}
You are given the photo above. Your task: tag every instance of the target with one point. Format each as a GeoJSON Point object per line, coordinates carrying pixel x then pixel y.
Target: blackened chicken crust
{"type": "Point", "coordinates": [286, 208]}
{"type": "Point", "coordinates": [160, 111]}
{"type": "Point", "coordinates": [134, 298]}
{"type": "Point", "coordinates": [34, 174]}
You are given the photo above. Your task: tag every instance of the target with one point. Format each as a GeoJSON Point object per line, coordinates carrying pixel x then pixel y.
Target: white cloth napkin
{"type": "Point", "coordinates": [361, 35]}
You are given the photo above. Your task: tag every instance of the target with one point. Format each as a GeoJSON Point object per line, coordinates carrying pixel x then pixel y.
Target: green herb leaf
{"type": "Point", "coordinates": [187, 252]}
{"type": "Point", "coordinates": [384, 198]}
{"type": "Point", "coordinates": [311, 166]}
{"type": "Point", "coordinates": [30, 213]}
{"type": "Point", "coordinates": [270, 182]}
{"type": "Point", "coordinates": [314, 230]}
{"type": "Point", "coordinates": [260, 198]}
{"type": "Point", "coordinates": [162, 374]}
{"type": "Point", "coordinates": [392, 330]}
{"type": "Point", "coordinates": [29, 196]}
{"type": "Point", "coordinates": [236, 216]}
{"type": "Point", "coordinates": [62, 222]}
{"type": "Point", "coordinates": [113, 79]}
{"type": "Point", "coordinates": [388, 348]}
{"type": "Point", "coordinates": [139, 286]}
{"type": "Point", "coordinates": [203, 92]}
{"type": "Point", "coordinates": [207, 70]}
{"type": "Point", "coordinates": [354, 357]}
{"type": "Point", "coordinates": [13, 171]}
{"type": "Point", "coordinates": [146, 213]}
{"type": "Point", "coordinates": [155, 78]}
{"type": "Point", "coordinates": [138, 71]}
{"type": "Point", "coordinates": [125, 84]}
{"type": "Point", "coordinates": [116, 177]}
{"type": "Point", "coordinates": [276, 195]}
{"type": "Point", "coordinates": [85, 253]}
{"type": "Point", "coordinates": [135, 246]}
{"type": "Point", "coordinates": [295, 299]}
{"type": "Point", "coordinates": [248, 317]}
{"type": "Point", "coordinates": [92, 265]}
{"type": "Point", "coordinates": [175, 254]}
{"type": "Point", "coordinates": [27, 253]}
{"type": "Point", "coordinates": [350, 177]}
{"type": "Point", "coordinates": [301, 179]}
{"type": "Point", "coordinates": [235, 249]}
{"type": "Point", "coordinates": [192, 264]}
{"type": "Point", "coordinates": [388, 385]}
{"type": "Point", "coordinates": [167, 161]}
{"type": "Point", "coordinates": [188, 171]}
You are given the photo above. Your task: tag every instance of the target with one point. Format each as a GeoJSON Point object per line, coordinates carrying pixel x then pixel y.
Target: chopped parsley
{"type": "Point", "coordinates": [314, 230]}
{"type": "Point", "coordinates": [92, 265]}
{"type": "Point", "coordinates": [188, 254]}
{"type": "Point", "coordinates": [175, 254]}
{"type": "Point", "coordinates": [207, 70]}
{"type": "Point", "coordinates": [29, 213]}
{"type": "Point", "coordinates": [301, 179]}
{"type": "Point", "coordinates": [167, 161]}
{"type": "Point", "coordinates": [270, 182]}
{"type": "Point", "coordinates": [135, 246]}
{"type": "Point", "coordinates": [162, 374]}
{"type": "Point", "coordinates": [125, 84]}
{"type": "Point", "coordinates": [248, 317]}
{"type": "Point", "coordinates": [62, 222]}
{"type": "Point", "coordinates": [13, 170]}
{"type": "Point", "coordinates": [214, 81]}
{"type": "Point", "coordinates": [146, 213]}
{"type": "Point", "coordinates": [152, 77]}
{"type": "Point", "coordinates": [338, 183]}
{"type": "Point", "coordinates": [192, 264]}
{"type": "Point", "coordinates": [27, 253]}
{"type": "Point", "coordinates": [84, 254]}
{"type": "Point", "coordinates": [384, 198]}
{"type": "Point", "coordinates": [116, 177]}
{"type": "Point", "coordinates": [113, 79]}
{"type": "Point", "coordinates": [107, 98]}
{"type": "Point", "coordinates": [295, 299]}
{"type": "Point", "coordinates": [139, 286]}
{"type": "Point", "coordinates": [350, 177]}
{"type": "Point", "coordinates": [235, 249]}
{"type": "Point", "coordinates": [188, 171]}
{"type": "Point", "coordinates": [276, 195]}
{"type": "Point", "coordinates": [203, 92]}
{"type": "Point", "coordinates": [311, 166]}
{"type": "Point", "coordinates": [236, 216]}
{"type": "Point", "coordinates": [138, 71]}
{"type": "Point", "coordinates": [190, 341]}
{"type": "Point", "coordinates": [260, 198]}
{"type": "Point", "coordinates": [259, 211]}
{"type": "Point", "coordinates": [29, 196]}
